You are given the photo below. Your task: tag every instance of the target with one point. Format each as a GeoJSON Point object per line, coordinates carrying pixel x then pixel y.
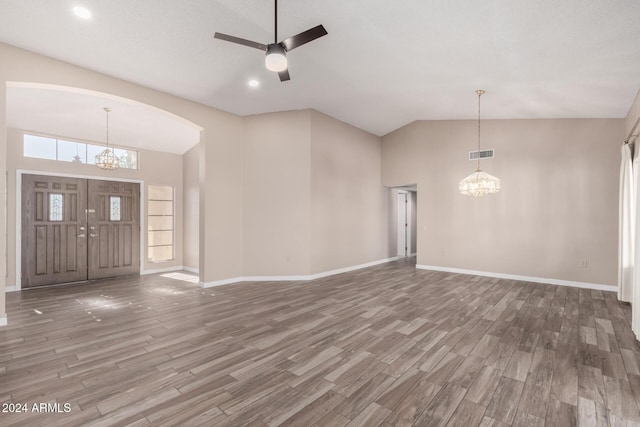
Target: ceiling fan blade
{"type": "Point", "coordinates": [303, 38]}
{"type": "Point", "coordinates": [238, 40]}
{"type": "Point", "coordinates": [284, 75]}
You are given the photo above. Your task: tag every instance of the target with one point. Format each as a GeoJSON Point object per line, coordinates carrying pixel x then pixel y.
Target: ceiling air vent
{"type": "Point", "coordinates": [482, 154]}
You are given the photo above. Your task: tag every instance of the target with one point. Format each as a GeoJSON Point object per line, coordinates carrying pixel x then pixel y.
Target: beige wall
{"type": "Point", "coordinates": [155, 169]}
{"type": "Point", "coordinates": [221, 150]}
{"type": "Point", "coordinates": [191, 236]}
{"type": "Point", "coordinates": [348, 202]}
{"type": "Point", "coordinates": [276, 194]}
{"type": "Point", "coordinates": [632, 117]}
{"type": "Point", "coordinates": [313, 198]}
{"type": "Point", "coordinates": [558, 204]}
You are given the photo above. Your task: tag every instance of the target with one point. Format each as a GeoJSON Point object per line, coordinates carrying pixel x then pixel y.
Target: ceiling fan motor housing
{"type": "Point", "coordinates": [276, 58]}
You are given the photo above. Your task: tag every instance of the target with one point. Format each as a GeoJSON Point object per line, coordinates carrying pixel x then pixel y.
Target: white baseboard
{"type": "Point", "coordinates": [11, 289]}
{"type": "Point", "coordinates": [354, 267]}
{"type": "Point", "coordinates": [191, 269]}
{"type": "Point", "coordinates": [219, 282]}
{"type": "Point", "coordinates": [558, 282]}
{"type": "Point", "coordinates": [3, 321]}
{"type": "Point", "coordinates": [294, 278]}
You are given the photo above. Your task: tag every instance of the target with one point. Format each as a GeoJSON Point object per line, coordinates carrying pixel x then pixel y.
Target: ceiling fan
{"type": "Point", "coordinates": [276, 53]}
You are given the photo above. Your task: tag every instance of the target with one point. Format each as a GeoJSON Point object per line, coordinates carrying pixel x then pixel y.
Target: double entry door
{"type": "Point", "coordinates": [77, 229]}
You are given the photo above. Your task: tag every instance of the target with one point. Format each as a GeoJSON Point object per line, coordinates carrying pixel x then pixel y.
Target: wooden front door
{"type": "Point", "coordinates": [114, 231]}
{"type": "Point", "coordinates": [77, 229]}
{"type": "Point", "coordinates": [54, 244]}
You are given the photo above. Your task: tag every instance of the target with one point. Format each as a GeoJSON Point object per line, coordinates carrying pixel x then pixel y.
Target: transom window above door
{"type": "Point", "coordinates": [42, 147]}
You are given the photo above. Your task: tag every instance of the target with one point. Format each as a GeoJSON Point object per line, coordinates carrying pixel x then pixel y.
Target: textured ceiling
{"type": "Point", "coordinates": [383, 64]}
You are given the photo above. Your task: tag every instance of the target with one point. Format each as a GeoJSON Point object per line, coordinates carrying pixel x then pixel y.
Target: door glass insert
{"type": "Point", "coordinates": [55, 207]}
{"type": "Point", "coordinates": [114, 208]}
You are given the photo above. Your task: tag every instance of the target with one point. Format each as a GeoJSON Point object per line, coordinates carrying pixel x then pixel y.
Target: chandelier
{"type": "Point", "coordinates": [479, 183]}
{"type": "Point", "coordinates": [107, 158]}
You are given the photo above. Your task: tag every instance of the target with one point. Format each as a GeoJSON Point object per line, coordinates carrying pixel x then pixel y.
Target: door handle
{"type": "Point", "coordinates": [82, 235]}
{"type": "Point", "coordinates": [93, 234]}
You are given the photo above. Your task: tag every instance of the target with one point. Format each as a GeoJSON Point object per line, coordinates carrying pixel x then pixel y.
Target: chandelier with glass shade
{"type": "Point", "coordinates": [479, 183]}
{"type": "Point", "coordinates": [107, 159]}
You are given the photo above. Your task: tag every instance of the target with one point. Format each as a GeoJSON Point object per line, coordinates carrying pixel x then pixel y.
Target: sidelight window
{"type": "Point", "coordinates": [160, 231]}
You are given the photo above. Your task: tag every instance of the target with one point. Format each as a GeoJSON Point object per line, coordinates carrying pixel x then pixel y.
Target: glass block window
{"type": "Point", "coordinates": [160, 233]}
{"type": "Point", "coordinates": [41, 147]}
{"type": "Point", "coordinates": [56, 207]}
{"type": "Point", "coordinates": [114, 208]}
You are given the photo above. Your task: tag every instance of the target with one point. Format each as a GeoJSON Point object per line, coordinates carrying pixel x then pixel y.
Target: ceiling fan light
{"type": "Point", "coordinates": [276, 59]}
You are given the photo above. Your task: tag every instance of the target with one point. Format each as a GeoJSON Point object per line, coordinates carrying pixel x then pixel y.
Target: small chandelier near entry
{"type": "Point", "coordinates": [107, 159]}
{"type": "Point", "coordinates": [479, 183]}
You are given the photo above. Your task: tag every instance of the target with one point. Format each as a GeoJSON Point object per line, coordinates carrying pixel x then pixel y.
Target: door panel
{"type": "Point", "coordinates": [54, 244]}
{"type": "Point", "coordinates": [114, 229]}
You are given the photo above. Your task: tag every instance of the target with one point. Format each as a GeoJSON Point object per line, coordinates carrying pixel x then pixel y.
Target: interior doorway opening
{"type": "Point", "coordinates": [404, 213]}
{"type": "Point", "coordinates": [404, 220]}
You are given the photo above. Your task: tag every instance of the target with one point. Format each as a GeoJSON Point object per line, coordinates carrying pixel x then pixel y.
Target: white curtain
{"type": "Point", "coordinates": [627, 236]}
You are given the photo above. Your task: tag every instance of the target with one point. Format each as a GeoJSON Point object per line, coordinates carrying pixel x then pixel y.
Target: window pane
{"type": "Point", "coordinates": [160, 223]}
{"type": "Point", "coordinates": [55, 207]}
{"type": "Point", "coordinates": [160, 192]}
{"type": "Point", "coordinates": [39, 147]}
{"type": "Point", "coordinates": [157, 238]}
{"type": "Point", "coordinates": [114, 208]}
{"type": "Point", "coordinates": [128, 158]}
{"type": "Point", "coordinates": [92, 152]}
{"type": "Point", "coordinates": [68, 150]}
{"type": "Point", "coordinates": [160, 253]}
{"type": "Point", "coordinates": [157, 207]}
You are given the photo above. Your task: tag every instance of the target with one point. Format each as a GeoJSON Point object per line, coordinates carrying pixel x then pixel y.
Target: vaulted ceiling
{"type": "Point", "coordinates": [383, 64]}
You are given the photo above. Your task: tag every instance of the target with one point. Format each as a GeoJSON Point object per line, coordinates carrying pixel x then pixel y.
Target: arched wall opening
{"type": "Point", "coordinates": [165, 143]}
{"type": "Point", "coordinates": [219, 157]}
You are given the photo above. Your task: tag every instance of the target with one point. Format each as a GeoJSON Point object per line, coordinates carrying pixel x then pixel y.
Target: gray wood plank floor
{"type": "Point", "coordinates": [388, 345]}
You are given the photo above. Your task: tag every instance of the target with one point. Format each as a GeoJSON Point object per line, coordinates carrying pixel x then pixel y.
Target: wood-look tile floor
{"type": "Point", "coordinates": [388, 345]}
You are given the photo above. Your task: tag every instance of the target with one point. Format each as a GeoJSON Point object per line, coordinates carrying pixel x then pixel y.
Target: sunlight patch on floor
{"type": "Point", "coordinates": [182, 276]}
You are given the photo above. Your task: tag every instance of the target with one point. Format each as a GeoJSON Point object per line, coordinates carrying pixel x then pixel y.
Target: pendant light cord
{"type": "Point", "coordinates": [479, 92]}
{"type": "Point", "coordinates": [108, 110]}
{"type": "Point", "coordinates": [108, 131]}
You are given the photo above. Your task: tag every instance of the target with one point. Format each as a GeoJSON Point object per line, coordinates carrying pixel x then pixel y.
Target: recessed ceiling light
{"type": "Point", "coordinates": [82, 12]}
{"type": "Point", "coordinates": [254, 83]}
